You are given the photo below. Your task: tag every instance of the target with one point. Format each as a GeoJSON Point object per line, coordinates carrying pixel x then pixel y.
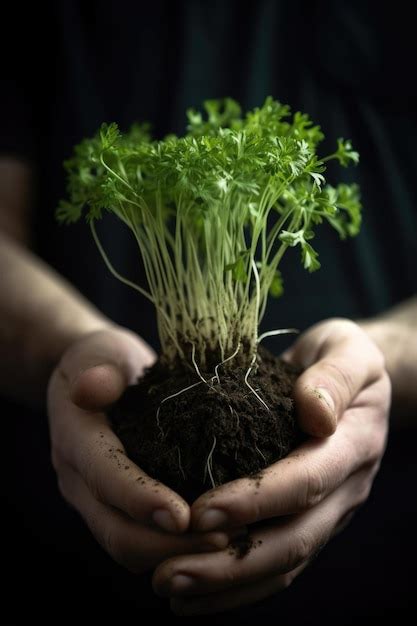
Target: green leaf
{"type": "Point", "coordinates": [345, 153]}
{"type": "Point", "coordinates": [225, 113]}
{"type": "Point", "coordinates": [309, 257]}
{"type": "Point", "coordinates": [238, 269]}
{"type": "Point", "coordinates": [109, 135]}
{"type": "Point", "coordinates": [292, 239]}
{"type": "Point", "coordinates": [347, 218]}
{"type": "Point", "coordinates": [277, 288]}
{"type": "Point", "coordinates": [68, 213]}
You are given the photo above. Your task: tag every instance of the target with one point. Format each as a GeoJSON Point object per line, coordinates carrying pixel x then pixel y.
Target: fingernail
{"type": "Point", "coordinates": [211, 519]}
{"type": "Point", "coordinates": [164, 520]}
{"type": "Point", "coordinates": [324, 395]}
{"type": "Point", "coordinates": [180, 583]}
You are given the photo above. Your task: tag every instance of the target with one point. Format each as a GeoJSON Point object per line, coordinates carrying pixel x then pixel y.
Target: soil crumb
{"type": "Point", "coordinates": [257, 479]}
{"type": "Point", "coordinates": [241, 546]}
{"type": "Point", "coordinates": [211, 433]}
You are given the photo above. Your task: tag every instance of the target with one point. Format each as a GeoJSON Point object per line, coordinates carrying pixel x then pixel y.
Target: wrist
{"type": "Point", "coordinates": [389, 337]}
{"type": "Point", "coordinates": [394, 340]}
{"type": "Point", "coordinates": [68, 332]}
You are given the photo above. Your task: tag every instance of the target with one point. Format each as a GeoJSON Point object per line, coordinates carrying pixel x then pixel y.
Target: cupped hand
{"type": "Point", "coordinates": [137, 520]}
{"type": "Point", "coordinates": [342, 400]}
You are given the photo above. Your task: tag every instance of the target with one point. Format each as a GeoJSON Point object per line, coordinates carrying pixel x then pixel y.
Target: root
{"type": "Point", "coordinates": [281, 331]}
{"type": "Point", "coordinates": [196, 366]}
{"type": "Point", "coordinates": [216, 369]}
{"type": "Point", "coordinates": [232, 411]}
{"type": "Point", "coordinates": [260, 453]}
{"type": "Point", "coordinates": [209, 464]}
{"type": "Point", "coordinates": [173, 395]}
{"type": "Point", "coordinates": [179, 463]}
{"type": "Point", "coordinates": [250, 386]}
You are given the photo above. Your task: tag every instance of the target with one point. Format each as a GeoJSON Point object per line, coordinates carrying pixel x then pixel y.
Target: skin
{"type": "Point", "coordinates": [55, 343]}
{"type": "Point", "coordinates": [136, 519]}
{"type": "Point", "coordinates": [304, 499]}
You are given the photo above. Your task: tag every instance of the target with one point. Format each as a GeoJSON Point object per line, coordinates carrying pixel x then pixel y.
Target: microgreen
{"type": "Point", "coordinates": [212, 213]}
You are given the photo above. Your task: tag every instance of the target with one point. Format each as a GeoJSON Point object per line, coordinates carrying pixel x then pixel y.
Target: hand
{"type": "Point", "coordinates": [304, 499]}
{"type": "Point", "coordinates": [138, 521]}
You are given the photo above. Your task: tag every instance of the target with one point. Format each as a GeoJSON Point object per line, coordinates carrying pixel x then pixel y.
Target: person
{"type": "Point", "coordinates": [80, 348]}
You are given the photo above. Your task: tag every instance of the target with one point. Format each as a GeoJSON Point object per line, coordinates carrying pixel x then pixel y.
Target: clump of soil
{"type": "Point", "coordinates": [241, 546]}
{"type": "Point", "coordinates": [211, 433]}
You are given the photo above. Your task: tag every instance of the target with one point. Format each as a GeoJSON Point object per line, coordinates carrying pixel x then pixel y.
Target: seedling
{"type": "Point", "coordinates": [213, 213]}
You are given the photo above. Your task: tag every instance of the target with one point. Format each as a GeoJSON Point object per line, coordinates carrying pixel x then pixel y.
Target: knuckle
{"type": "Point", "coordinates": [377, 448]}
{"type": "Point", "coordinates": [299, 550]}
{"type": "Point", "coordinates": [286, 580]}
{"type": "Point", "coordinates": [117, 546]}
{"type": "Point", "coordinates": [256, 511]}
{"type": "Point", "coordinates": [335, 329]}
{"type": "Point", "coordinates": [90, 472]}
{"type": "Point", "coordinates": [108, 537]}
{"type": "Point", "coordinates": [314, 486]}
{"type": "Point", "coordinates": [114, 545]}
{"type": "Point", "coordinates": [341, 325]}
{"type": "Point", "coordinates": [343, 376]}
{"type": "Point", "coordinates": [376, 441]}
{"type": "Point", "coordinates": [363, 489]}
{"type": "Point", "coordinates": [379, 361]}
{"type": "Point", "coordinates": [386, 389]}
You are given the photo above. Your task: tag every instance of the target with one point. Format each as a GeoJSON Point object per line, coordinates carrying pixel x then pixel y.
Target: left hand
{"type": "Point", "coordinates": [304, 499]}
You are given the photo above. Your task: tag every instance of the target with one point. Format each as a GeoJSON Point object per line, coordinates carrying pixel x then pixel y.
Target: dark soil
{"type": "Point", "coordinates": [212, 433]}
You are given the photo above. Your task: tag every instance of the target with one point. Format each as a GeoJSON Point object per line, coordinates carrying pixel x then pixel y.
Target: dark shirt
{"type": "Point", "coordinates": [350, 65]}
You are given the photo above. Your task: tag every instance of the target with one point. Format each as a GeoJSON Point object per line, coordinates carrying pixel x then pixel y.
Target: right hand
{"type": "Point", "coordinates": [137, 520]}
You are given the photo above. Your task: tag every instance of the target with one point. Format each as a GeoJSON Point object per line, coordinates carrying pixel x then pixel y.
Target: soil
{"type": "Point", "coordinates": [212, 433]}
{"type": "Point", "coordinates": [240, 547]}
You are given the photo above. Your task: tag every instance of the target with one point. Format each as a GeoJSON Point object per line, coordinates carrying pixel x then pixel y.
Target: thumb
{"type": "Point", "coordinates": [98, 386]}
{"type": "Point", "coordinates": [340, 360]}
{"type": "Point", "coordinates": [99, 367]}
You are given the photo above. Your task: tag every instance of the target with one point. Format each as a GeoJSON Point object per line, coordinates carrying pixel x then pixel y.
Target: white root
{"type": "Point", "coordinates": [209, 463]}
{"type": "Point", "coordinates": [260, 453]}
{"type": "Point", "coordinates": [179, 463]}
{"type": "Point", "coordinates": [229, 358]}
{"type": "Point", "coordinates": [173, 395]}
{"type": "Point", "coordinates": [281, 331]}
{"type": "Point", "coordinates": [196, 366]}
{"type": "Point", "coordinates": [232, 411]}
{"type": "Point", "coordinates": [250, 386]}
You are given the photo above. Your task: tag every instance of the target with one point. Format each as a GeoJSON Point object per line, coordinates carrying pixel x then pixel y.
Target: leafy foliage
{"type": "Point", "coordinates": [213, 213]}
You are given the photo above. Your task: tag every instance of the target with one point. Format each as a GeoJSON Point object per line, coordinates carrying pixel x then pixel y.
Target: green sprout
{"type": "Point", "coordinates": [213, 213]}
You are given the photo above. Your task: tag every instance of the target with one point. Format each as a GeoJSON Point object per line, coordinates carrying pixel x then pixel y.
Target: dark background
{"type": "Point", "coordinates": [71, 65]}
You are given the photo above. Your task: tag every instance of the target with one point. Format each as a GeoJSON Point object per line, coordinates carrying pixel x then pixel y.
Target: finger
{"type": "Point", "coordinates": [98, 387]}
{"type": "Point", "coordinates": [277, 549]}
{"type": "Point", "coordinates": [306, 476]}
{"type": "Point", "coordinates": [91, 447]}
{"type": "Point", "coordinates": [99, 368]}
{"type": "Point", "coordinates": [133, 545]}
{"type": "Point", "coordinates": [347, 361]}
{"type": "Point", "coordinates": [243, 595]}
